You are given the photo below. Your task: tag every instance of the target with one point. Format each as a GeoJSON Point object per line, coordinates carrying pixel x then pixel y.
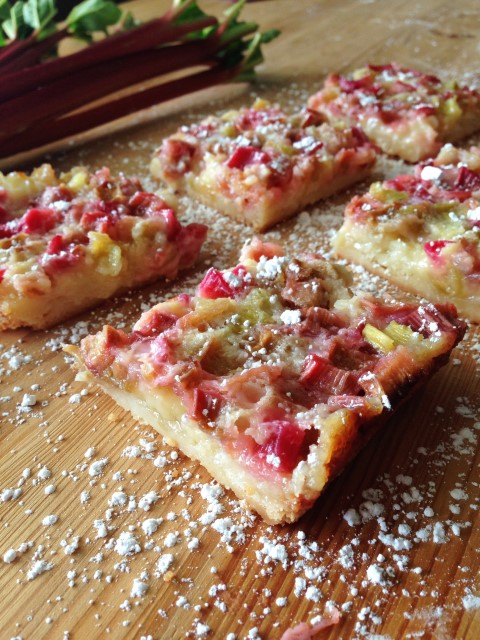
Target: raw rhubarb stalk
{"type": "Point", "coordinates": [145, 37]}
{"type": "Point", "coordinates": [39, 135]}
{"type": "Point", "coordinates": [30, 54]}
{"type": "Point", "coordinates": [38, 106]}
{"type": "Point", "coordinates": [40, 103]}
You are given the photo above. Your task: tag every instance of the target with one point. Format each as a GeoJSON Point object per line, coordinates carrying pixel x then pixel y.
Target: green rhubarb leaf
{"type": "Point", "coordinates": [236, 49]}
{"type": "Point", "coordinates": [232, 29]}
{"type": "Point", "coordinates": [38, 14]}
{"type": "Point", "coordinates": [268, 36]}
{"type": "Point", "coordinates": [253, 55]}
{"type": "Point", "coordinates": [4, 10]}
{"type": "Point", "coordinates": [4, 15]}
{"type": "Point", "coordinates": [189, 11]}
{"type": "Point", "coordinates": [92, 15]}
{"type": "Point", "coordinates": [232, 13]}
{"type": "Point", "coordinates": [14, 26]}
{"type": "Point", "coordinates": [129, 21]}
{"type": "Point", "coordinates": [186, 11]}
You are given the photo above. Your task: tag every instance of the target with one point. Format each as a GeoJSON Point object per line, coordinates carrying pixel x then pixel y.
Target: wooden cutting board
{"type": "Point", "coordinates": [393, 543]}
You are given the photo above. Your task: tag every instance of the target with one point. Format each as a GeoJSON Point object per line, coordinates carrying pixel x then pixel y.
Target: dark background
{"type": "Point", "coordinates": [65, 6]}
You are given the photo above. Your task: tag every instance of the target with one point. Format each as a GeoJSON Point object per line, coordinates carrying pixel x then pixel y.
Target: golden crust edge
{"type": "Point", "coordinates": [342, 250]}
{"type": "Point", "coordinates": [342, 179]}
{"type": "Point", "coordinates": [343, 436]}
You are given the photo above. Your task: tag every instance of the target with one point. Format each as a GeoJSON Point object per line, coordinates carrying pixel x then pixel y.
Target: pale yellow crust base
{"type": "Point", "coordinates": [279, 499]}
{"type": "Point", "coordinates": [364, 246]}
{"type": "Point", "coordinates": [75, 290]}
{"type": "Point", "coordinates": [412, 140]}
{"type": "Point", "coordinates": [326, 180]}
{"type": "Point", "coordinates": [420, 138]}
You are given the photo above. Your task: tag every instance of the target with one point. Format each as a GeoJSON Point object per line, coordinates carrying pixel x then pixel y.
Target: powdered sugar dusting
{"type": "Point", "coordinates": [131, 526]}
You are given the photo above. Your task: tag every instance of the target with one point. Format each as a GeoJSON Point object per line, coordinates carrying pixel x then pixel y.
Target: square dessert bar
{"type": "Point", "coordinates": [260, 165]}
{"type": "Point", "coordinates": [405, 112]}
{"type": "Point", "coordinates": [422, 231]}
{"type": "Point", "coordinates": [68, 242]}
{"type": "Point", "coordinates": [273, 375]}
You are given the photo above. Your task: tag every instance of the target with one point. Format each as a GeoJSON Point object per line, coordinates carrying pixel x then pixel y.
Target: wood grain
{"type": "Point", "coordinates": [405, 477]}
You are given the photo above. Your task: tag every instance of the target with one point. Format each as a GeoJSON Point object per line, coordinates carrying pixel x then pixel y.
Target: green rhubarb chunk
{"type": "Point", "coordinates": [387, 196]}
{"type": "Point", "coordinates": [451, 110]}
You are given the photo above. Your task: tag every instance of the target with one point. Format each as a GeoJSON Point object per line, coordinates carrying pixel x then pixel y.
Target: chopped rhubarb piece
{"type": "Point", "coordinates": [359, 136]}
{"type": "Point", "coordinates": [39, 220]}
{"type": "Point", "coordinates": [190, 240]}
{"type": "Point", "coordinates": [97, 220]}
{"type": "Point", "coordinates": [62, 253]}
{"type": "Point", "coordinates": [390, 112]}
{"type": "Point", "coordinates": [424, 110]}
{"type": "Point", "coordinates": [467, 180]}
{"type": "Point", "coordinates": [258, 249]}
{"type": "Point", "coordinates": [155, 324]}
{"type": "Point", "coordinates": [380, 68]}
{"type": "Point", "coordinates": [225, 285]}
{"type": "Point", "coordinates": [173, 225]}
{"type": "Point", "coordinates": [433, 249]}
{"type": "Point", "coordinates": [349, 86]}
{"type": "Point", "coordinates": [56, 244]}
{"type": "Point", "coordinates": [411, 185]}
{"type": "Point", "coordinates": [178, 156]}
{"type": "Point", "coordinates": [214, 286]}
{"type": "Point", "coordinates": [252, 118]}
{"type": "Point", "coordinates": [311, 118]}
{"type": "Point", "coordinates": [115, 337]}
{"type": "Point", "coordinates": [304, 631]}
{"type": "Point", "coordinates": [402, 87]}
{"type": "Point", "coordinates": [318, 318]}
{"type": "Point", "coordinates": [320, 373]}
{"type": "Point", "coordinates": [282, 449]}
{"type": "Point", "coordinates": [240, 280]}
{"type": "Point", "coordinates": [161, 350]}
{"type": "Point", "coordinates": [10, 228]}
{"type": "Point", "coordinates": [245, 156]}
{"type": "Point", "coordinates": [144, 204]}
{"type": "Point", "coordinates": [206, 405]}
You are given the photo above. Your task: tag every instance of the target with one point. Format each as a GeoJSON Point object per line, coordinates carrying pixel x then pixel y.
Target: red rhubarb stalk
{"type": "Point", "coordinates": [70, 125]}
{"type": "Point", "coordinates": [40, 105]}
{"type": "Point", "coordinates": [142, 38]}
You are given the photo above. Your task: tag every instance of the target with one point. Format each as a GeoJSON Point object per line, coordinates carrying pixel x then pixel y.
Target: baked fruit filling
{"type": "Point", "coordinates": [422, 231]}
{"type": "Point", "coordinates": [276, 374]}
{"type": "Point", "coordinates": [67, 242]}
{"type": "Point", "coordinates": [261, 165]}
{"type": "Point", "coordinates": [404, 111]}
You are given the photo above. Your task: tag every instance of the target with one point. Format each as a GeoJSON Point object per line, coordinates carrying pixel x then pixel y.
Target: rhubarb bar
{"type": "Point", "coordinates": [260, 165]}
{"type": "Point", "coordinates": [407, 113]}
{"type": "Point", "coordinates": [273, 375]}
{"type": "Point", "coordinates": [422, 231]}
{"type": "Point", "coordinates": [68, 242]}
